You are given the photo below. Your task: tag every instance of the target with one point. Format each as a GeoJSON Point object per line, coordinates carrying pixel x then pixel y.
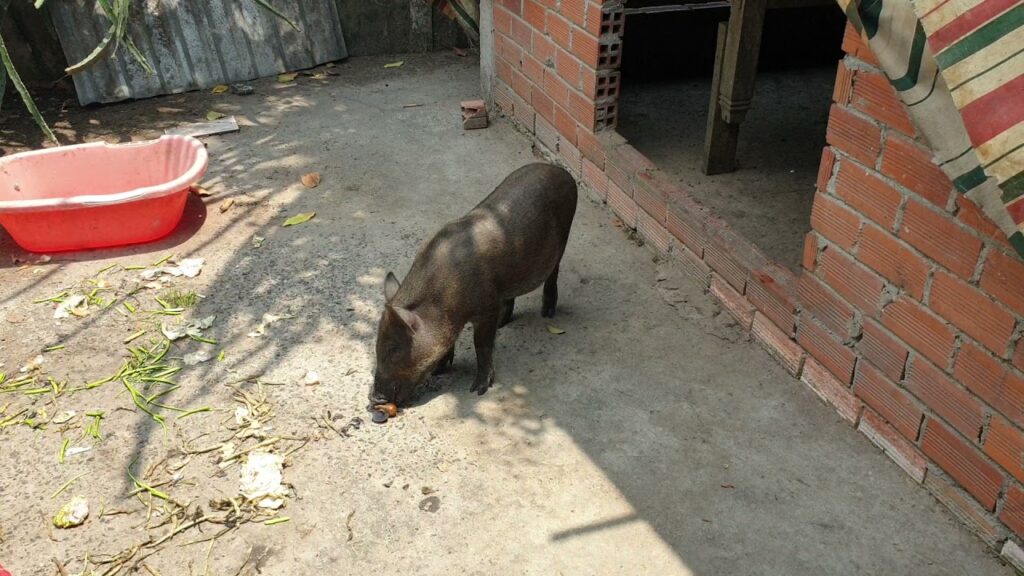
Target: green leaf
{"type": "Point", "coordinates": [145, 487]}
{"type": "Point", "coordinates": [211, 115]}
{"type": "Point", "coordinates": [555, 329]}
{"type": "Point", "coordinates": [63, 450]}
{"type": "Point", "coordinates": [394, 64]}
{"type": "Point", "coordinates": [134, 51]}
{"type": "Point", "coordinates": [3, 84]}
{"type": "Point", "coordinates": [117, 13]}
{"type": "Point", "coordinates": [39, 4]}
{"type": "Point", "coordinates": [193, 412]}
{"type": "Point", "coordinates": [267, 6]}
{"type": "Point", "coordinates": [30, 105]}
{"type": "Point", "coordinates": [299, 218]}
{"type": "Point", "coordinates": [100, 50]}
{"type": "Point", "coordinates": [3, 70]}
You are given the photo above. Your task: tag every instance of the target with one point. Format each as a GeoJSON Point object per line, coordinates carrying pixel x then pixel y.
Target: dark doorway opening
{"type": "Point", "coordinates": [667, 63]}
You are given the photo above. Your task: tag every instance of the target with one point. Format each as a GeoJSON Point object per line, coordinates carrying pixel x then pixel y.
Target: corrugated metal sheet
{"type": "Point", "coordinates": [194, 44]}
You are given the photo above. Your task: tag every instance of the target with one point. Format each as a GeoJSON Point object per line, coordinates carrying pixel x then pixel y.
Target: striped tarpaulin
{"type": "Point", "coordinates": [958, 65]}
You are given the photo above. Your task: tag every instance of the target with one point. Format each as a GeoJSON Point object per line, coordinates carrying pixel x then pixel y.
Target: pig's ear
{"type": "Point", "coordinates": [408, 317]}
{"type": "Point", "coordinates": [391, 285]}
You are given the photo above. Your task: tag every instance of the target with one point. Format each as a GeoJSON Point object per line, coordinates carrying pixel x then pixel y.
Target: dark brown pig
{"type": "Point", "coordinates": [471, 271]}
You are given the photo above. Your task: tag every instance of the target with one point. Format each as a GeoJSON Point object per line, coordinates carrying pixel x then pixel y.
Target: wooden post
{"type": "Point", "coordinates": [719, 137]}
{"type": "Point", "coordinates": [739, 43]}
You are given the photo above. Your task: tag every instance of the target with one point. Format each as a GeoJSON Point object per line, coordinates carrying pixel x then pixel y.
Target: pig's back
{"type": "Point", "coordinates": [505, 247]}
{"type": "Point", "coordinates": [534, 190]}
{"type": "Point", "coordinates": [526, 222]}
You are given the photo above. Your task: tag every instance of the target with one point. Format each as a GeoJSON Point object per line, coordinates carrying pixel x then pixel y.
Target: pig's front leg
{"type": "Point", "coordinates": [507, 307]}
{"type": "Point", "coordinates": [484, 331]}
{"type": "Point", "coordinates": [446, 362]}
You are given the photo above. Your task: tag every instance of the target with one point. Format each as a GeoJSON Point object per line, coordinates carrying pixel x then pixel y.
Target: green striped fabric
{"type": "Point", "coordinates": [975, 129]}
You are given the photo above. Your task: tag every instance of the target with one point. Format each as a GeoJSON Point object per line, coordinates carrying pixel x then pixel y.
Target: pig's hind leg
{"type": "Point", "coordinates": [506, 311]}
{"type": "Point", "coordinates": [550, 294]}
{"type": "Point", "coordinates": [547, 309]}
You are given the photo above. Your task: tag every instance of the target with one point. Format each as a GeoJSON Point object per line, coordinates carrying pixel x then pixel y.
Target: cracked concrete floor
{"type": "Point", "coordinates": [650, 438]}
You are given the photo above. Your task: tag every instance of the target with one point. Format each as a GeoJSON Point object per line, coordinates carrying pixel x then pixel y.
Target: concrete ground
{"type": "Point", "coordinates": [649, 438]}
{"type": "Point", "coordinates": [768, 198]}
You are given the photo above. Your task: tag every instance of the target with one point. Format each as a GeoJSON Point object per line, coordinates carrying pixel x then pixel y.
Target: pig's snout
{"type": "Point", "coordinates": [376, 398]}
{"type": "Point", "coordinates": [377, 391]}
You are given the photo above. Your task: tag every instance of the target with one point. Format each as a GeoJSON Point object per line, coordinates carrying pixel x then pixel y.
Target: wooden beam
{"type": "Point", "coordinates": [719, 137]}
{"type": "Point", "coordinates": [733, 83]}
{"type": "Point", "coordinates": [742, 46]}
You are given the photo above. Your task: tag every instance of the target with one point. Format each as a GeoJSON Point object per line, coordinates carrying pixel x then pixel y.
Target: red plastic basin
{"type": "Point", "coordinates": [98, 195]}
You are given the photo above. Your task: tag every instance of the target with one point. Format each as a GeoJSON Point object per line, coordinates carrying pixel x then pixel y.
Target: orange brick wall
{"type": "Point", "coordinates": [907, 315]}
{"type": "Point", "coordinates": [923, 290]}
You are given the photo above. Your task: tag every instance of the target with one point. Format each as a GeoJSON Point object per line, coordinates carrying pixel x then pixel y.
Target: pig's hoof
{"type": "Point", "coordinates": [548, 311]}
{"type": "Point", "coordinates": [480, 387]}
